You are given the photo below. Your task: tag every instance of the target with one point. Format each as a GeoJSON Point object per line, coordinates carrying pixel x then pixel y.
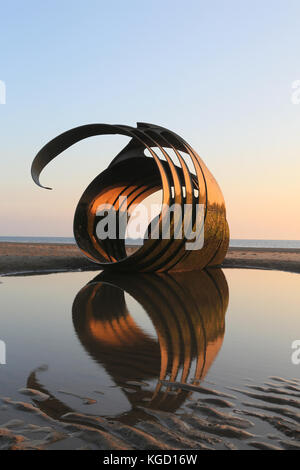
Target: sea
{"type": "Point", "coordinates": [235, 242]}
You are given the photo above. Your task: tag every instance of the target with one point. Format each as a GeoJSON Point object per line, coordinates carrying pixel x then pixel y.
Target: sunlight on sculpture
{"type": "Point", "coordinates": [192, 236]}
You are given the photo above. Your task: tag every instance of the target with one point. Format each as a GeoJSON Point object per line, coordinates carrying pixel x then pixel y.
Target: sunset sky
{"type": "Point", "coordinates": [219, 73]}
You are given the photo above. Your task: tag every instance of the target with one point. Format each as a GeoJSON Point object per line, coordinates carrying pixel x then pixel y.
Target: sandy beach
{"type": "Point", "coordinates": [25, 258]}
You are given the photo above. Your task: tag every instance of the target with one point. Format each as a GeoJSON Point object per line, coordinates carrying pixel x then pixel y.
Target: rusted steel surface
{"type": "Point", "coordinates": [171, 166]}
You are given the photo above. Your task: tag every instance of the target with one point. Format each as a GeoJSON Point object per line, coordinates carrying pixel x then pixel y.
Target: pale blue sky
{"type": "Point", "coordinates": [219, 73]}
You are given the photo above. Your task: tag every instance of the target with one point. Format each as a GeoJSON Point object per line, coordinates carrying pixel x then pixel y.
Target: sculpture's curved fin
{"type": "Point", "coordinates": [67, 139]}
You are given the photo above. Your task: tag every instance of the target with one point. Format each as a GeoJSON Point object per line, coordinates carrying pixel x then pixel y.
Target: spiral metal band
{"type": "Point", "coordinates": [135, 176]}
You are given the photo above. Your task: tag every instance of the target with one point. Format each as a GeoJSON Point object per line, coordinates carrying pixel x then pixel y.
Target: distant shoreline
{"type": "Point", "coordinates": [37, 258]}
{"type": "Point", "coordinates": [234, 242]}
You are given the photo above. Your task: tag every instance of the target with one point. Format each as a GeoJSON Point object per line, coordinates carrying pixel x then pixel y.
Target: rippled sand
{"type": "Point", "coordinates": [264, 416]}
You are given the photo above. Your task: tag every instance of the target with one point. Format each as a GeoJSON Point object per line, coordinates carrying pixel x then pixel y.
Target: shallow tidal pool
{"type": "Point", "coordinates": [189, 360]}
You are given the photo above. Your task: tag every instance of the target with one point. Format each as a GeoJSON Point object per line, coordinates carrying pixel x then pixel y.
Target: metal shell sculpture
{"type": "Point", "coordinates": [177, 170]}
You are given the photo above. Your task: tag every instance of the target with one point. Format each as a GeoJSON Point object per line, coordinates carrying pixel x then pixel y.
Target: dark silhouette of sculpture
{"type": "Point", "coordinates": [135, 176]}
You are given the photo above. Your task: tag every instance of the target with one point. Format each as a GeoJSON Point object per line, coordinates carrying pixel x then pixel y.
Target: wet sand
{"type": "Point", "coordinates": [30, 258]}
{"type": "Point", "coordinates": [264, 417]}
{"type": "Point", "coordinates": [283, 259]}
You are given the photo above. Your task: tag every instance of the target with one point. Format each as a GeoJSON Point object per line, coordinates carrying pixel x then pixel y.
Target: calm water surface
{"type": "Point", "coordinates": [110, 346]}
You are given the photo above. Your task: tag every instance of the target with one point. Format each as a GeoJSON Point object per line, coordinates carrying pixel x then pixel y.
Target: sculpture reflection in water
{"type": "Point", "coordinates": [187, 311]}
